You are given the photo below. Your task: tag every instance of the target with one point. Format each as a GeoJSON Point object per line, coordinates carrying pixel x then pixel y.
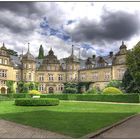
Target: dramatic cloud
{"type": "Point", "coordinates": [113, 26]}
{"type": "Point", "coordinates": [87, 25]}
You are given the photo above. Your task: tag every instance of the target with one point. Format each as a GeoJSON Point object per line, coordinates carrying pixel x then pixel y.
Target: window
{"type": "Point", "coordinates": [121, 60]}
{"type": "Point", "coordinates": [24, 76]}
{"type": "Point", "coordinates": [24, 65]}
{"type": "Point", "coordinates": [17, 76]}
{"type": "Point", "coordinates": [0, 61]}
{"type": "Point", "coordinates": [48, 68]}
{"type": "Point", "coordinates": [95, 76]}
{"type": "Point", "coordinates": [120, 73]}
{"type": "Point", "coordinates": [41, 87]}
{"type": "Point", "coordinates": [70, 77]}
{"type": "Point", "coordinates": [60, 87]}
{"type": "Point", "coordinates": [3, 73]}
{"type": "Point", "coordinates": [50, 77]}
{"type": "Point", "coordinates": [75, 76]}
{"type": "Point", "coordinates": [60, 77]}
{"type": "Point", "coordinates": [83, 76]}
{"type": "Point", "coordinates": [41, 77]}
{"type": "Point", "coordinates": [56, 67]}
{"type": "Point", "coordinates": [2, 82]}
{"type": "Point", "coordinates": [5, 62]}
{"type": "Point", "coordinates": [30, 76]}
{"type": "Point", "coordinates": [107, 76]}
{"type": "Point", "coordinates": [29, 66]}
{"type": "Point", "coordinates": [70, 67]}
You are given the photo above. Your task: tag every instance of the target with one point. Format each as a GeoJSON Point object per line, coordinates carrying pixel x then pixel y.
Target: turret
{"type": "Point", "coordinates": [28, 66]}
{"type": "Point", "coordinates": [123, 48]}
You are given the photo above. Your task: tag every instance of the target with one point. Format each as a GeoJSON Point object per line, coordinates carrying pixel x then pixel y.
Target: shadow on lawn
{"type": "Point", "coordinates": [74, 124]}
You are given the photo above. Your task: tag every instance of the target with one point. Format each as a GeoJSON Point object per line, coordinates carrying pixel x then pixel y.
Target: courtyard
{"type": "Point", "coordinates": [70, 118]}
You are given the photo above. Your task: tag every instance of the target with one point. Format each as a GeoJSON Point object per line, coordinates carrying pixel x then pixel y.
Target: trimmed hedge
{"type": "Point", "coordinates": [5, 98]}
{"type": "Point", "coordinates": [60, 96]}
{"type": "Point", "coordinates": [125, 98]}
{"type": "Point", "coordinates": [110, 98]}
{"type": "Point", "coordinates": [21, 95]}
{"type": "Point", "coordinates": [37, 102]}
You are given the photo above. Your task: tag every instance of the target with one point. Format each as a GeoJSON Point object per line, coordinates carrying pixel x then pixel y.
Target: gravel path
{"type": "Point", "coordinates": [127, 130]}
{"type": "Point", "coordinates": [17, 131]}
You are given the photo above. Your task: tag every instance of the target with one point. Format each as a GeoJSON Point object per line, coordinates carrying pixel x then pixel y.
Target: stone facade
{"type": "Point", "coordinates": [52, 73]}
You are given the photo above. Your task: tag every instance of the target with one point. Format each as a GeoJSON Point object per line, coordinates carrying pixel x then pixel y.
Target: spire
{"type": "Point", "coordinates": [79, 53]}
{"type": "Point", "coordinates": [28, 47]}
{"type": "Point", "coordinates": [3, 44]}
{"type": "Point", "coordinates": [122, 42]}
{"type": "Point", "coordinates": [72, 50]}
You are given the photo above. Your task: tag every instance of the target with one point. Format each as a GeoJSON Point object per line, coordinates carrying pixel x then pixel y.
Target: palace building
{"type": "Point", "coordinates": [52, 73]}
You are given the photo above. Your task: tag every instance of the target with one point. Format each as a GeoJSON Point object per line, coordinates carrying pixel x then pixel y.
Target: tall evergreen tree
{"type": "Point", "coordinates": [133, 65]}
{"type": "Point", "coordinates": [41, 52]}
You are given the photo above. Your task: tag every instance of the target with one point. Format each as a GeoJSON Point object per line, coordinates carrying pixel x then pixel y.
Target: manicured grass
{"type": "Point", "coordinates": [70, 118]}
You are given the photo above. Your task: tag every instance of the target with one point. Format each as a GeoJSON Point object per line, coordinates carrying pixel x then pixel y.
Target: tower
{"type": "Point", "coordinates": [28, 66]}
{"type": "Point", "coordinates": [72, 67]}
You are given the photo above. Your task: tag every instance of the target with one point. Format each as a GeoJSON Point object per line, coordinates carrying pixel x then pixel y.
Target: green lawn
{"type": "Point", "coordinates": [70, 118]}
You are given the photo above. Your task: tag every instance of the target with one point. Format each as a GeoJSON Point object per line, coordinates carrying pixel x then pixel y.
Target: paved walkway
{"type": "Point", "coordinates": [128, 130]}
{"type": "Point", "coordinates": [13, 130]}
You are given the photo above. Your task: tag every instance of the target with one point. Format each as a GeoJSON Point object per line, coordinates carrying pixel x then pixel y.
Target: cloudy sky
{"type": "Point", "coordinates": [94, 27]}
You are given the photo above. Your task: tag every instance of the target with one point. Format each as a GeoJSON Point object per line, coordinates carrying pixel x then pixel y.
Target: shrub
{"type": "Point", "coordinates": [37, 102]}
{"type": "Point", "coordinates": [114, 83]}
{"type": "Point", "coordinates": [34, 92]}
{"type": "Point", "coordinates": [20, 95]}
{"type": "Point", "coordinates": [112, 90]}
{"type": "Point", "coordinates": [70, 90]}
{"type": "Point", "coordinates": [92, 91]}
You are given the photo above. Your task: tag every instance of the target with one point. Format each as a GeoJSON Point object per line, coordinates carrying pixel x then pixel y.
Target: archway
{"type": "Point", "coordinates": [3, 90]}
{"type": "Point", "coordinates": [51, 90]}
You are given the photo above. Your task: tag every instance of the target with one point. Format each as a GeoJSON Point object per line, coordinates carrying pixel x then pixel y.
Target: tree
{"type": "Point", "coordinates": [41, 52]}
{"type": "Point", "coordinates": [114, 83]}
{"type": "Point", "coordinates": [128, 83]}
{"type": "Point", "coordinates": [133, 65]}
{"type": "Point", "coordinates": [10, 85]}
{"type": "Point", "coordinates": [70, 88]}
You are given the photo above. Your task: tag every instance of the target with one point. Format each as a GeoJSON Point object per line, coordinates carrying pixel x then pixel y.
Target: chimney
{"type": "Point", "coordinates": [93, 57]}
{"type": "Point", "coordinates": [110, 54]}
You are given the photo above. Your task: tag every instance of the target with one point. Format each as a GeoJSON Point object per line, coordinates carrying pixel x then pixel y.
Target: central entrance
{"type": "Point", "coordinates": [51, 90]}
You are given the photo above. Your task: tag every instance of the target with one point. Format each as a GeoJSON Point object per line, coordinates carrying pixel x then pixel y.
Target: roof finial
{"type": "Point", "coordinates": [28, 47]}
{"type": "Point", "coordinates": [79, 53]}
{"type": "Point", "coordinates": [3, 44]}
{"type": "Point", "coordinates": [122, 42]}
{"type": "Point", "coordinates": [72, 50]}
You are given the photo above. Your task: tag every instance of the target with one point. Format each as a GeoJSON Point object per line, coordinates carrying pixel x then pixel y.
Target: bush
{"type": "Point", "coordinates": [112, 90]}
{"type": "Point", "coordinates": [37, 102]}
{"type": "Point", "coordinates": [21, 95]}
{"type": "Point", "coordinates": [34, 93]}
{"type": "Point", "coordinates": [114, 83]}
{"type": "Point", "coordinates": [70, 90]}
{"type": "Point", "coordinates": [92, 91]}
